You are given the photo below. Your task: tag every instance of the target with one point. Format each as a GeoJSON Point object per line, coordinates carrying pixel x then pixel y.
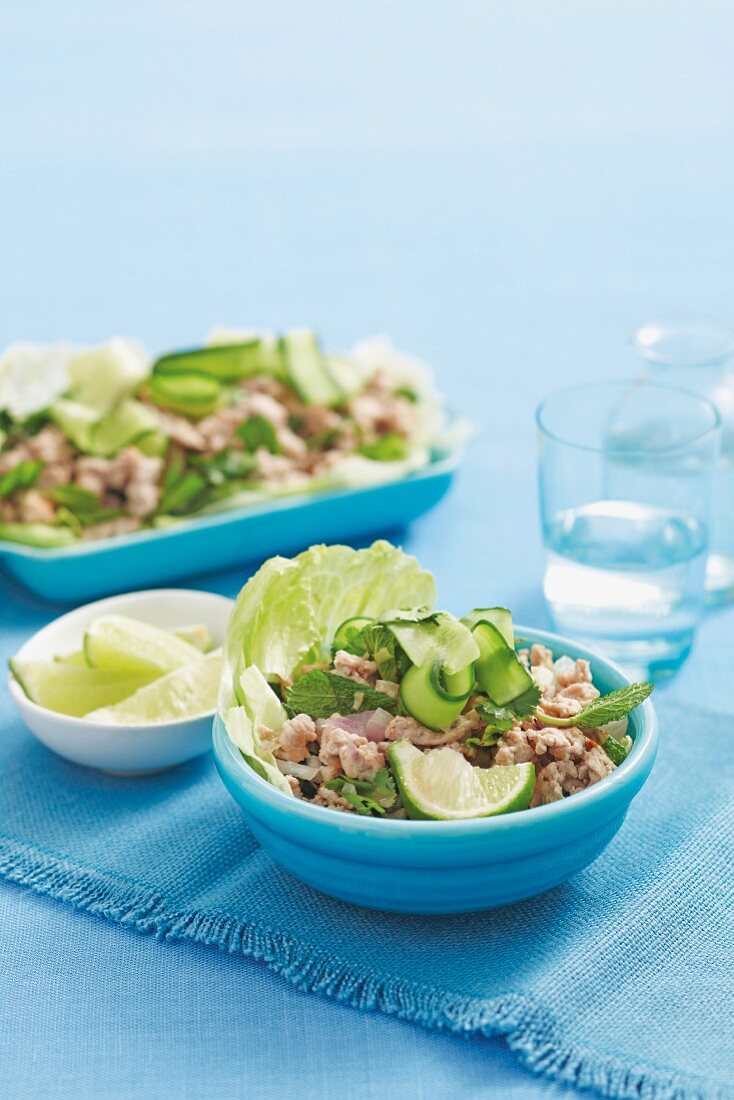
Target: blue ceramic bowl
{"type": "Point", "coordinates": [445, 866]}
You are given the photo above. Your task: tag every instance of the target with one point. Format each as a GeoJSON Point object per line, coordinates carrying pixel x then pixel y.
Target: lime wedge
{"type": "Point", "coordinates": [441, 785]}
{"type": "Point", "coordinates": [196, 635]}
{"type": "Point", "coordinates": [72, 689]}
{"type": "Point", "coordinates": [185, 693]}
{"type": "Point", "coordinates": [76, 658]}
{"type": "Point", "coordinates": [127, 645]}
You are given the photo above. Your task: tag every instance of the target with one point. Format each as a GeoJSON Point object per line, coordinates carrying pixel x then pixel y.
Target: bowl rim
{"type": "Point", "coordinates": [632, 774]}
{"type": "Point", "coordinates": [71, 722]}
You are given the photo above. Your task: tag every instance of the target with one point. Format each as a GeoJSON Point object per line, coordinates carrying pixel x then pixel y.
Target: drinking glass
{"type": "Point", "coordinates": [698, 353]}
{"type": "Point", "coordinates": [625, 478]}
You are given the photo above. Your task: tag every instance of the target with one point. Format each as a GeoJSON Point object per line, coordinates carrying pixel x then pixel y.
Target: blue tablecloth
{"type": "Point", "coordinates": [507, 193]}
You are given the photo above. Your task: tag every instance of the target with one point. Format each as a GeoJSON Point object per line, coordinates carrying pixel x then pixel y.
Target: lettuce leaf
{"type": "Point", "coordinates": [287, 614]}
{"type": "Point", "coordinates": [259, 706]}
{"type": "Point", "coordinates": [320, 694]}
{"type": "Point", "coordinates": [286, 617]}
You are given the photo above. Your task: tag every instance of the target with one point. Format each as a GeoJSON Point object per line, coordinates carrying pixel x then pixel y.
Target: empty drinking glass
{"type": "Point", "coordinates": [626, 473]}
{"type": "Point", "coordinates": [698, 353]}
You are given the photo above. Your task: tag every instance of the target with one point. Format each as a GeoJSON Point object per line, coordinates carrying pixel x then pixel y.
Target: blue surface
{"type": "Point", "coordinates": [449, 866]}
{"type": "Point", "coordinates": [508, 190]}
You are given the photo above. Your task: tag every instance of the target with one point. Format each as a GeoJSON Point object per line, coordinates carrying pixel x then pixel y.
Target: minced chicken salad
{"type": "Point", "coordinates": [345, 688]}
{"type": "Point", "coordinates": [104, 442]}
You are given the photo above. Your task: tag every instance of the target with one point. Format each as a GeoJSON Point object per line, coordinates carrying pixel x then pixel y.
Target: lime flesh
{"type": "Point", "coordinates": [121, 644]}
{"type": "Point", "coordinates": [441, 785]}
{"type": "Point", "coordinates": [184, 693]}
{"type": "Point", "coordinates": [73, 689]}
{"type": "Point", "coordinates": [196, 635]}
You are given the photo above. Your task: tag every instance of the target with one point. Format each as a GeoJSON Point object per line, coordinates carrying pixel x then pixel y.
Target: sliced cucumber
{"type": "Point", "coordinates": [225, 362]}
{"type": "Point", "coordinates": [308, 370]}
{"type": "Point", "coordinates": [499, 670]}
{"type": "Point", "coordinates": [431, 702]}
{"type": "Point", "coordinates": [190, 394]}
{"type": "Point", "coordinates": [130, 422]}
{"type": "Point", "coordinates": [42, 535]}
{"type": "Point", "coordinates": [499, 617]}
{"type": "Point", "coordinates": [347, 629]}
{"type": "Point", "coordinates": [453, 686]}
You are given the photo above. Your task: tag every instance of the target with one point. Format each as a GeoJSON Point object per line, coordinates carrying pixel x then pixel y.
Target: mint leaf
{"type": "Point", "coordinates": [223, 466]}
{"type": "Point", "coordinates": [182, 495]}
{"type": "Point", "coordinates": [320, 694]}
{"type": "Point", "coordinates": [382, 647]}
{"type": "Point", "coordinates": [80, 507]}
{"type": "Point", "coordinates": [367, 797]}
{"type": "Point", "coordinates": [21, 476]}
{"type": "Point", "coordinates": [391, 447]}
{"type": "Point", "coordinates": [259, 432]}
{"type": "Point", "coordinates": [614, 750]}
{"type": "Point", "coordinates": [607, 708]}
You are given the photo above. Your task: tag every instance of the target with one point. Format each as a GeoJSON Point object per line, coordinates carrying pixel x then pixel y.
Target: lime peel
{"type": "Point", "coordinates": [441, 785]}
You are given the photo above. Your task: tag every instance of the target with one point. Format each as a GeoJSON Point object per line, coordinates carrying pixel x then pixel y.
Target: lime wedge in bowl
{"type": "Point", "coordinates": [184, 693]}
{"type": "Point", "coordinates": [73, 689]}
{"type": "Point", "coordinates": [121, 644]}
{"type": "Point", "coordinates": [442, 785]}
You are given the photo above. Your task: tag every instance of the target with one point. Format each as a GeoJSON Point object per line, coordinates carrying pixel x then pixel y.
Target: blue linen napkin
{"type": "Point", "coordinates": [619, 980]}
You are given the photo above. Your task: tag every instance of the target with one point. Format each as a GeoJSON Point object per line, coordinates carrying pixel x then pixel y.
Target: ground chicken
{"type": "Point", "coordinates": [272, 467]}
{"type": "Point", "coordinates": [292, 741]}
{"type": "Point", "coordinates": [540, 655]}
{"type": "Point", "coordinates": [377, 413]}
{"type": "Point", "coordinates": [178, 429]}
{"type": "Point", "coordinates": [568, 671]}
{"type": "Point", "coordinates": [334, 801]}
{"type": "Point", "coordinates": [12, 458]}
{"type": "Point", "coordinates": [218, 430]}
{"type": "Point", "coordinates": [52, 448]}
{"type": "Point", "coordinates": [135, 475]}
{"type": "Point", "coordinates": [355, 755]}
{"type": "Point", "coordinates": [387, 687]}
{"type": "Point", "coordinates": [568, 702]}
{"type": "Point", "coordinates": [359, 669]}
{"type": "Point", "coordinates": [514, 748]}
{"type": "Point", "coordinates": [318, 420]}
{"type": "Point", "coordinates": [291, 444]}
{"type": "Point", "coordinates": [50, 445]}
{"type": "Point", "coordinates": [33, 507]}
{"type": "Point", "coordinates": [266, 406]}
{"type": "Point", "coordinates": [564, 777]}
{"type": "Point", "coordinates": [407, 729]}
{"type": "Point", "coordinates": [566, 760]}
{"type": "Point", "coordinates": [294, 785]}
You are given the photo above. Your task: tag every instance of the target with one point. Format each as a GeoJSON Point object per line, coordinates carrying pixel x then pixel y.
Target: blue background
{"type": "Point", "coordinates": [506, 189]}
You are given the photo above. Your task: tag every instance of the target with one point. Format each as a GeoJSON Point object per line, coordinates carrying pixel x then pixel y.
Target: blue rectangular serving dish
{"type": "Point", "coordinates": [78, 573]}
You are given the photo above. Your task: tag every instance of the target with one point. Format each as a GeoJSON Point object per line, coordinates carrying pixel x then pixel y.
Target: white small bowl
{"type": "Point", "coordinates": [127, 750]}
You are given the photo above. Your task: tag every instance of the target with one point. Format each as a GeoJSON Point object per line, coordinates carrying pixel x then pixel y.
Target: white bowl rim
{"type": "Point", "coordinates": [634, 770]}
{"type": "Point", "coordinates": [70, 721]}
